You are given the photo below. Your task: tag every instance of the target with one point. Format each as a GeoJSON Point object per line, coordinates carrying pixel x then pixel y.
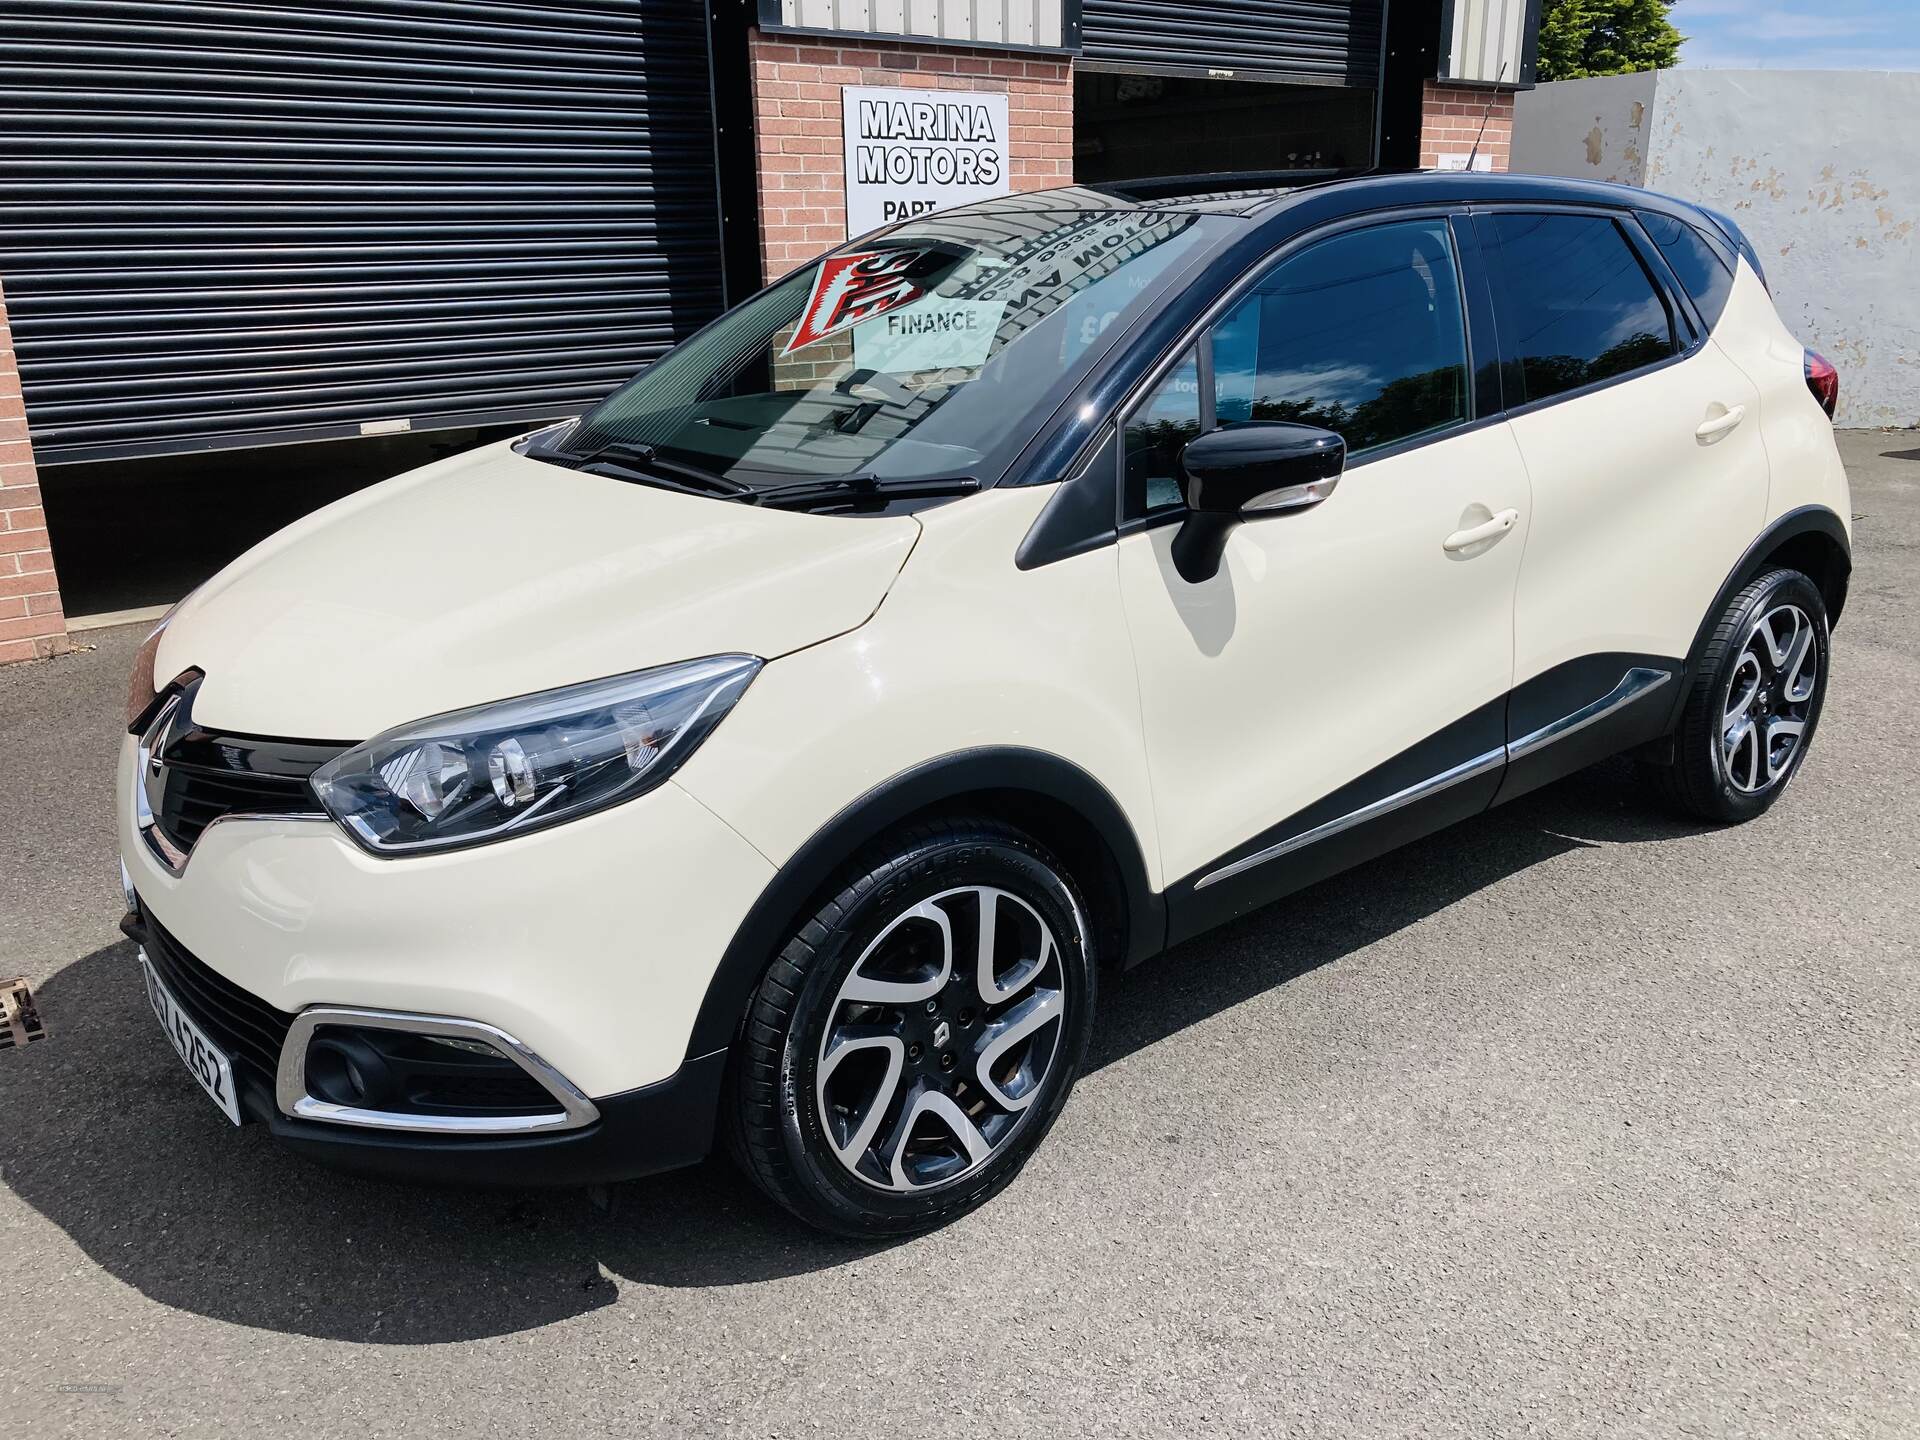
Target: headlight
{"type": "Point", "coordinates": [494, 770]}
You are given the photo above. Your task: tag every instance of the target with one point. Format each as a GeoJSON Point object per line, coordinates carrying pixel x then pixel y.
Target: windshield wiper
{"type": "Point", "coordinates": [858, 489]}
{"type": "Point", "coordinates": [646, 463]}
{"type": "Point", "coordinates": [635, 455]}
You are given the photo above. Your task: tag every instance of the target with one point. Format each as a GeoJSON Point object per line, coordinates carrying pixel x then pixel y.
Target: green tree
{"type": "Point", "coordinates": [1606, 37]}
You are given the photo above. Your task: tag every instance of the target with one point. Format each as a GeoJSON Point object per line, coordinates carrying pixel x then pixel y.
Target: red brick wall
{"type": "Point", "coordinates": [1450, 118]}
{"type": "Point", "coordinates": [796, 105]}
{"type": "Point", "coordinates": [31, 621]}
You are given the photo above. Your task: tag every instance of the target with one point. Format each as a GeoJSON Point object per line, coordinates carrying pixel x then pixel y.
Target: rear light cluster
{"type": "Point", "coordinates": [1823, 380]}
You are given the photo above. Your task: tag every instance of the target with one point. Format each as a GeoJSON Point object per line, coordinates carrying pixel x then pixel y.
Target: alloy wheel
{"type": "Point", "coordinates": [1769, 700]}
{"type": "Point", "coordinates": [940, 1038]}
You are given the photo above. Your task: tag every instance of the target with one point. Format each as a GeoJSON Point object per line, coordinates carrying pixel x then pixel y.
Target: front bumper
{"type": "Point", "coordinates": [657, 1127]}
{"type": "Point", "coordinates": [641, 1132]}
{"type": "Point", "coordinates": [593, 943]}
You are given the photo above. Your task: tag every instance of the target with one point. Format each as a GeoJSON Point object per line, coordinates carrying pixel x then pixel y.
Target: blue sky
{"type": "Point", "coordinates": [1800, 34]}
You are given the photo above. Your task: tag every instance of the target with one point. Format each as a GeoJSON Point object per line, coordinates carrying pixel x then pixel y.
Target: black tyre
{"type": "Point", "coordinates": [1755, 701]}
{"type": "Point", "coordinates": [895, 1068]}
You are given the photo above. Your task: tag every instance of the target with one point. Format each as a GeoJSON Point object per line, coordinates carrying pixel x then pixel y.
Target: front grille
{"type": "Point", "coordinates": [244, 1025]}
{"type": "Point", "coordinates": [194, 799]}
{"type": "Point", "coordinates": [205, 776]}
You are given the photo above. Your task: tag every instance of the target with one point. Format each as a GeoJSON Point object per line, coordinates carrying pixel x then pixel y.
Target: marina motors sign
{"type": "Point", "coordinates": [912, 151]}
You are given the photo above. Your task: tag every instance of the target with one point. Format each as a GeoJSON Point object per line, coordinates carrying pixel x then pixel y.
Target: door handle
{"type": "Point", "coordinates": [1487, 530]}
{"type": "Point", "coordinates": [1720, 424]}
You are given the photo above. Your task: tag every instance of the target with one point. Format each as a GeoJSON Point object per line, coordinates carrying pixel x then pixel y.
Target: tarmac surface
{"type": "Point", "coordinates": [1573, 1120]}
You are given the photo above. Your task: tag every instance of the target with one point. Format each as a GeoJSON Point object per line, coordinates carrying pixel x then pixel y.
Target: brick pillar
{"type": "Point", "coordinates": [32, 623]}
{"type": "Point", "coordinates": [801, 152]}
{"type": "Point", "coordinates": [1450, 119]}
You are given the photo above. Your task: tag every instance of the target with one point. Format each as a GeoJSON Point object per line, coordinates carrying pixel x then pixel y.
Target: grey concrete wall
{"type": "Point", "coordinates": [1820, 168]}
{"type": "Point", "coordinates": [1596, 129]}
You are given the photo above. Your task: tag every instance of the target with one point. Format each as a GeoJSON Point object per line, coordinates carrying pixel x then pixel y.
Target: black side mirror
{"type": "Point", "coordinates": [1241, 472]}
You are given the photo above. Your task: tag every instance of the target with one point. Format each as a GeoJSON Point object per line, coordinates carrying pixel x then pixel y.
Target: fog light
{"type": "Point", "coordinates": [345, 1070]}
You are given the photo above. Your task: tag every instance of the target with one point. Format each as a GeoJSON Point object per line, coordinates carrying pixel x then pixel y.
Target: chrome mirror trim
{"type": "Point", "coordinates": [1290, 497]}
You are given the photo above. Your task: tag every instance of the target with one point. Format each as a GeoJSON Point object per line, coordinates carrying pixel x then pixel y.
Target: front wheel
{"type": "Point", "coordinates": [1754, 703]}
{"type": "Point", "coordinates": [914, 1041]}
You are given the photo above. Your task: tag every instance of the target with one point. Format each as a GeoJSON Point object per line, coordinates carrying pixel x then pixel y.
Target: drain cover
{"type": "Point", "coordinates": [19, 1019]}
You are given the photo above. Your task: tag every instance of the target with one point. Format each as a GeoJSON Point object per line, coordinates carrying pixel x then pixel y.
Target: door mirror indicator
{"type": "Point", "coordinates": [1242, 472]}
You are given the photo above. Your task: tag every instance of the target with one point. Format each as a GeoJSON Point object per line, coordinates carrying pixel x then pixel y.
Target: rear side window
{"type": "Point", "coordinates": [1701, 271]}
{"type": "Point", "coordinates": [1576, 304]}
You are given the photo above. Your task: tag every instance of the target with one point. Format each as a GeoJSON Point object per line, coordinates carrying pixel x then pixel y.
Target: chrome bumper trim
{"type": "Point", "coordinates": [290, 1085]}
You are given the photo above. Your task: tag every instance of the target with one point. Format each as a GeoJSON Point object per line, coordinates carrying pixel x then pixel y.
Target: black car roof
{"type": "Point", "coordinates": [1261, 197]}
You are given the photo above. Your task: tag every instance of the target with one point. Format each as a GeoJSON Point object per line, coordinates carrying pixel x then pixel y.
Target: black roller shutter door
{"type": "Point", "coordinates": [1311, 41]}
{"type": "Point", "coordinates": [227, 224]}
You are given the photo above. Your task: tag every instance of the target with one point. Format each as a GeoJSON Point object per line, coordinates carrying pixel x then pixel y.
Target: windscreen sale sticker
{"type": "Point", "coordinates": [931, 334]}
{"type": "Point", "coordinates": [853, 288]}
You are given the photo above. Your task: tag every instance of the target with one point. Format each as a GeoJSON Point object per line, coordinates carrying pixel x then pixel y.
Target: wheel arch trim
{"type": "Point", "coordinates": [986, 770]}
{"type": "Point", "coordinates": [1806, 520]}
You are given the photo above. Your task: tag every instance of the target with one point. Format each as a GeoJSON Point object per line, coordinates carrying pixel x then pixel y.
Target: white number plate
{"type": "Point", "coordinates": [204, 1060]}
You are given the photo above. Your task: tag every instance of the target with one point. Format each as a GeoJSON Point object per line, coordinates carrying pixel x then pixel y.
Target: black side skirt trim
{"type": "Point", "coordinates": [1446, 777]}
{"type": "Point", "coordinates": [1556, 723]}
{"type": "Point", "coordinates": [1580, 712]}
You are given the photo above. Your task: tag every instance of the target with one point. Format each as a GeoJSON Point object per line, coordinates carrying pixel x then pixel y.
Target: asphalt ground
{"type": "Point", "coordinates": [1573, 1120]}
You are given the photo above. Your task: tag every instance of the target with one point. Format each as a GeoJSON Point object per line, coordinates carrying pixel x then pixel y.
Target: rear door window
{"type": "Point", "coordinates": [1576, 305]}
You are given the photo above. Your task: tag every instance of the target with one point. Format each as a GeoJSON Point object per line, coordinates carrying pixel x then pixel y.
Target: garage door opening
{"type": "Point", "coordinates": [1134, 126]}
{"type": "Point", "coordinates": [133, 536]}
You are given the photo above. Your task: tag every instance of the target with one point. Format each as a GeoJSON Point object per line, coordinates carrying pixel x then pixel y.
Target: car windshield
{"type": "Point", "coordinates": [913, 355]}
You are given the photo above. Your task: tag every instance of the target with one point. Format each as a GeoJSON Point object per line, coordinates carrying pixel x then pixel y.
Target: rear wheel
{"type": "Point", "coordinates": [1755, 701]}
{"type": "Point", "coordinates": [912, 1044]}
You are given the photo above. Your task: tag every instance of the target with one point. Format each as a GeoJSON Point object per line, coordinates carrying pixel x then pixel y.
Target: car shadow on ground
{"type": "Point", "coordinates": [107, 1139]}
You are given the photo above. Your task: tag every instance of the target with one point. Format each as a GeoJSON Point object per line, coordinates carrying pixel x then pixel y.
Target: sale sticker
{"type": "Point", "coordinates": [933, 333]}
{"type": "Point", "coordinates": [853, 288]}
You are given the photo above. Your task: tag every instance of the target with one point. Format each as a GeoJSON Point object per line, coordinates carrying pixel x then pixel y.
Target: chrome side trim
{"type": "Point", "coordinates": [1636, 684]}
{"type": "Point", "coordinates": [1445, 780]}
{"type": "Point", "coordinates": [290, 1084]}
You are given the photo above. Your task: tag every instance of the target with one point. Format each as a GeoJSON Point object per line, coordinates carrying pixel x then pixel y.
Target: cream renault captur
{"type": "Point", "coordinates": [781, 750]}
